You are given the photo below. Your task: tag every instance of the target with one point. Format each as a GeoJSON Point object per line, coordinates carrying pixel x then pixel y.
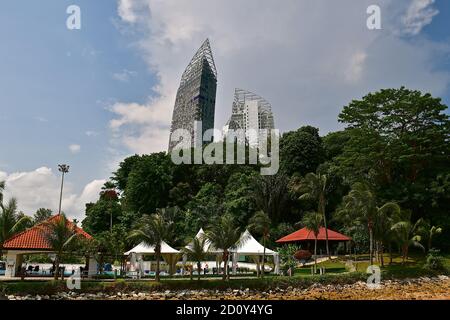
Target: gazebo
{"type": "Point", "coordinates": [169, 254]}
{"type": "Point", "coordinates": [305, 235]}
{"type": "Point", "coordinates": [248, 246]}
{"type": "Point", "coordinates": [32, 241]}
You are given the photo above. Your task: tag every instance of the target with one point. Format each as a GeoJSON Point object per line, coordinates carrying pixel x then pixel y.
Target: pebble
{"type": "Point", "coordinates": [408, 289]}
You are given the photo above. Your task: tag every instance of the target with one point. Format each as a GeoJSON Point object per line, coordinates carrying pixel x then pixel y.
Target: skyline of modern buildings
{"type": "Point", "coordinates": [196, 95]}
{"type": "Point", "coordinates": [251, 113]}
{"type": "Point", "coordinates": [196, 99]}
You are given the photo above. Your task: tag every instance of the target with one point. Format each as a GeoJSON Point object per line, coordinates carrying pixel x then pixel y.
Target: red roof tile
{"type": "Point", "coordinates": [33, 238]}
{"type": "Point", "coordinates": [305, 234]}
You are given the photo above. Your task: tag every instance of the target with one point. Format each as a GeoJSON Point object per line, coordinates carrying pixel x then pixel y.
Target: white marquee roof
{"type": "Point", "coordinates": [145, 249]}
{"type": "Point", "coordinates": [207, 246]}
{"type": "Point", "coordinates": [249, 246]}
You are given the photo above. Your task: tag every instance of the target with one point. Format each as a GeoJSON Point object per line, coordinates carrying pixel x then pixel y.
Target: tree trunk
{"type": "Point", "coordinates": [225, 264]}
{"type": "Point", "coordinates": [158, 254]}
{"type": "Point", "coordinates": [322, 205]}
{"type": "Point", "coordinates": [405, 253]}
{"type": "Point", "coordinates": [381, 254]}
{"type": "Point", "coordinates": [199, 265]}
{"type": "Point", "coordinates": [56, 267]}
{"type": "Point", "coordinates": [429, 243]}
{"type": "Point", "coordinates": [264, 257]}
{"type": "Point", "coordinates": [315, 255]}
{"type": "Point", "coordinates": [371, 245]}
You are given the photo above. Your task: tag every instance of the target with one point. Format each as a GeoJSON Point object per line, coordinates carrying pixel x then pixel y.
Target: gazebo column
{"type": "Point", "coordinates": [276, 261]}
{"type": "Point", "coordinates": [235, 259]}
{"type": "Point", "coordinates": [13, 263]}
{"type": "Point", "coordinates": [92, 271]}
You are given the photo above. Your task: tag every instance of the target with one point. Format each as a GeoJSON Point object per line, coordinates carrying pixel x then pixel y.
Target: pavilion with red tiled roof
{"type": "Point", "coordinates": [32, 241]}
{"type": "Point", "coordinates": [305, 235]}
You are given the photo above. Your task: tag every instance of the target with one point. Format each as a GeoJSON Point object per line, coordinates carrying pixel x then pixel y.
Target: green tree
{"type": "Point", "coordinates": [2, 189]}
{"type": "Point", "coordinates": [120, 177]}
{"type": "Point", "coordinates": [433, 231]}
{"type": "Point", "coordinates": [41, 215]}
{"type": "Point", "coordinates": [204, 207]}
{"type": "Point", "coordinates": [152, 230]}
{"type": "Point", "coordinates": [239, 201]}
{"type": "Point", "coordinates": [196, 251]}
{"type": "Point", "coordinates": [301, 151]}
{"type": "Point", "coordinates": [149, 183]}
{"type": "Point", "coordinates": [407, 234]}
{"type": "Point", "coordinates": [313, 222]}
{"type": "Point", "coordinates": [224, 235]}
{"type": "Point", "coordinates": [314, 186]}
{"type": "Point", "coordinates": [361, 205]}
{"type": "Point", "coordinates": [271, 195]}
{"type": "Point", "coordinates": [10, 221]}
{"type": "Point", "coordinates": [385, 218]}
{"type": "Point", "coordinates": [261, 223]}
{"type": "Point", "coordinates": [59, 234]}
{"type": "Point", "coordinates": [399, 143]}
{"type": "Point", "coordinates": [102, 215]}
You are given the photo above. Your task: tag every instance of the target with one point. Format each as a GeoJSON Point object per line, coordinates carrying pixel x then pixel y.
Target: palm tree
{"type": "Point", "coordinates": [407, 234]}
{"type": "Point", "coordinates": [431, 232]}
{"type": "Point", "coordinates": [59, 234]}
{"type": "Point", "coordinates": [10, 221]}
{"type": "Point", "coordinates": [314, 186]}
{"type": "Point", "coordinates": [2, 188]}
{"type": "Point", "coordinates": [153, 230]}
{"type": "Point", "coordinates": [385, 218]}
{"type": "Point", "coordinates": [361, 205]}
{"type": "Point", "coordinates": [196, 251]}
{"type": "Point", "coordinates": [261, 223]}
{"type": "Point", "coordinates": [224, 235]}
{"type": "Point", "coordinates": [313, 222]}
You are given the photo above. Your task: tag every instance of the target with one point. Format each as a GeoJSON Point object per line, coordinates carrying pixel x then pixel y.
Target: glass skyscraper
{"type": "Point", "coordinates": [250, 113]}
{"type": "Point", "coordinates": [196, 96]}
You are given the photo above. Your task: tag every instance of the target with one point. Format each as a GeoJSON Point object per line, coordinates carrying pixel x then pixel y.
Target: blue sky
{"type": "Point", "coordinates": [95, 87]}
{"type": "Point", "coordinates": [56, 84]}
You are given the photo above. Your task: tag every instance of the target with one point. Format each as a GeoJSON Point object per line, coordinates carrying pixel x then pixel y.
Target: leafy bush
{"type": "Point", "coordinates": [303, 255]}
{"type": "Point", "coordinates": [287, 259]}
{"type": "Point", "coordinates": [434, 262]}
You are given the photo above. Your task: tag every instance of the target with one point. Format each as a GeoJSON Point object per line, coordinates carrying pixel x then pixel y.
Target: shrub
{"type": "Point", "coordinates": [434, 262]}
{"type": "Point", "coordinates": [303, 255]}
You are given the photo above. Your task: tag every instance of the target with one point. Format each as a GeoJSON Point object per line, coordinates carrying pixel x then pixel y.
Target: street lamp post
{"type": "Point", "coordinates": [63, 168]}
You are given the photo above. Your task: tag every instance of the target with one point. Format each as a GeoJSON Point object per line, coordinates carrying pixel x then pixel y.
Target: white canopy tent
{"type": "Point", "coordinates": [248, 246]}
{"type": "Point", "coordinates": [169, 254]}
{"type": "Point", "coordinates": [207, 247]}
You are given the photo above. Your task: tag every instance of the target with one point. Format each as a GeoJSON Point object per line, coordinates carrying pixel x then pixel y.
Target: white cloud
{"type": "Point", "coordinates": [91, 133]}
{"type": "Point", "coordinates": [419, 14]}
{"type": "Point", "coordinates": [41, 189]}
{"type": "Point", "coordinates": [308, 58]}
{"type": "Point", "coordinates": [124, 76]}
{"type": "Point", "coordinates": [356, 67]}
{"type": "Point", "coordinates": [75, 148]}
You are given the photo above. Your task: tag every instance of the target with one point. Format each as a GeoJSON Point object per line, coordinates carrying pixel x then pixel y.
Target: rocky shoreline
{"type": "Point", "coordinates": [409, 289]}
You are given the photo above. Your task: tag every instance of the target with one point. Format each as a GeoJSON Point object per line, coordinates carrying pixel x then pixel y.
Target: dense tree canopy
{"type": "Point", "coordinates": [395, 141]}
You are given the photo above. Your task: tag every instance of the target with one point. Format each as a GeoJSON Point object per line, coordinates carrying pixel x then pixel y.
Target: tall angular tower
{"type": "Point", "coordinates": [250, 112]}
{"type": "Point", "coordinates": [196, 96]}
